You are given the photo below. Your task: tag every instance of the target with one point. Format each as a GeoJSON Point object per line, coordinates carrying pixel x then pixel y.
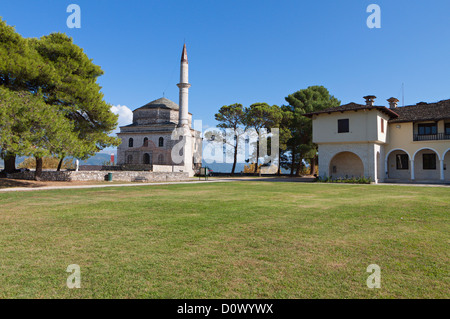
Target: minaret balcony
{"type": "Point", "coordinates": [184, 85]}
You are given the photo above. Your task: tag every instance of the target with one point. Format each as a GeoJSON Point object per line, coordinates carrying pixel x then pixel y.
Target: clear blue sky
{"type": "Point", "coordinates": [253, 51]}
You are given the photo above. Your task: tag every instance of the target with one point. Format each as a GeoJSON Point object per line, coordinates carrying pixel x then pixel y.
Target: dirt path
{"type": "Point", "coordinates": [15, 185]}
{"type": "Point", "coordinates": [12, 183]}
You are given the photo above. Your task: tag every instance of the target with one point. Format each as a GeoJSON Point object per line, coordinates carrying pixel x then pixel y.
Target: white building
{"type": "Point", "coordinates": [387, 144]}
{"type": "Point", "coordinates": [148, 142]}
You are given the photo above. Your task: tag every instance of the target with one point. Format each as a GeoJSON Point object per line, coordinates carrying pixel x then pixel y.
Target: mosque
{"type": "Point", "coordinates": [161, 138]}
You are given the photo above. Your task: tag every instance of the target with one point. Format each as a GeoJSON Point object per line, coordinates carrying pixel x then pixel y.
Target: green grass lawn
{"type": "Point", "coordinates": [226, 240]}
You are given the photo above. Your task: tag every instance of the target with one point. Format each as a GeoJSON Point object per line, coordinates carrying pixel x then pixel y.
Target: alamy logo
{"type": "Point", "coordinates": [74, 280]}
{"type": "Point", "coordinates": [374, 20]}
{"type": "Point", "coordinates": [74, 20]}
{"type": "Point", "coordinates": [374, 280]}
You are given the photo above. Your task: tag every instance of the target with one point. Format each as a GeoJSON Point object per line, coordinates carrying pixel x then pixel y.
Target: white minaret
{"type": "Point", "coordinates": [183, 115]}
{"type": "Point", "coordinates": [183, 118]}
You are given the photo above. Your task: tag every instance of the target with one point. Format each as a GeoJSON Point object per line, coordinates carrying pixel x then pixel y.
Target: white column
{"type": "Point", "coordinates": [442, 169]}
{"type": "Point", "coordinates": [386, 168]}
{"type": "Point", "coordinates": [412, 170]}
{"type": "Point", "coordinates": [375, 165]}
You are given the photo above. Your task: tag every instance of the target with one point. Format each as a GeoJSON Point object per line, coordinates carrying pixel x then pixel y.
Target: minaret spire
{"type": "Point", "coordinates": [184, 54]}
{"type": "Point", "coordinates": [183, 118]}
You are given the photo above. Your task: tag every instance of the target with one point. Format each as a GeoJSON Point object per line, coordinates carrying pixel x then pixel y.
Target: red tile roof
{"type": "Point", "coordinates": [354, 107]}
{"type": "Point", "coordinates": [412, 113]}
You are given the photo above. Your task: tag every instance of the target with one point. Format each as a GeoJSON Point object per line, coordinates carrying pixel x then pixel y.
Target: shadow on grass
{"type": "Point", "coordinates": [10, 183]}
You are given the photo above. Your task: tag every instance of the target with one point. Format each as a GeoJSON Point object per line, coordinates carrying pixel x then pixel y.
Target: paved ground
{"type": "Point", "coordinates": [16, 185]}
{"type": "Point", "coordinates": [10, 185]}
{"type": "Point", "coordinates": [103, 185]}
{"type": "Point", "coordinates": [306, 179]}
{"type": "Point", "coordinates": [7, 185]}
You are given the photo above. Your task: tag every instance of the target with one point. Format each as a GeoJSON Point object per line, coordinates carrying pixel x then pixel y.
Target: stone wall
{"type": "Point", "coordinates": [100, 176]}
{"type": "Point", "coordinates": [46, 176]}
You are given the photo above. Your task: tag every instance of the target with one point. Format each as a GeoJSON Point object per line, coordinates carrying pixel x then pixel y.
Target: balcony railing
{"type": "Point", "coordinates": [432, 137]}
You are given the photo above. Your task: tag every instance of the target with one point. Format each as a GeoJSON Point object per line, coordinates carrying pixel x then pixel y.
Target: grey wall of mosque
{"type": "Point", "coordinates": [148, 138]}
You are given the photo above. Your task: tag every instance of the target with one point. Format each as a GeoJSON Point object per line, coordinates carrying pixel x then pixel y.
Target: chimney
{"type": "Point", "coordinates": [393, 102]}
{"type": "Point", "coordinates": [370, 99]}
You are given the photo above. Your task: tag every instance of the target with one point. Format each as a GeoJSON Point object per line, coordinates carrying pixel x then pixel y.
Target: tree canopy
{"type": "Point", "coordinates": [262, 116]}
{"type": "Point", "coordinates": [231, 117]}
{"type": "Point", "coordinates": [300, 145]}
{"type": "Point", "coordinates": [51, 101]}
{"type": "Point", "coordinates": [295, 130]}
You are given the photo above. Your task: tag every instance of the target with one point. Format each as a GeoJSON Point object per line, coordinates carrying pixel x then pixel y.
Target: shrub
{"type": "Point", "coordinates": [48, 162]}
{"type": "Point", "coordinates": [250, 168]}
{"type": "Point", "coordinates": [347, 180]}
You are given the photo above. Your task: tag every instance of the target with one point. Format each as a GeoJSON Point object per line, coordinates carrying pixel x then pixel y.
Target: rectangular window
{"type": "Point", "coordinates": [427, 129]}
{"type": "Point", "coordinates": [343, 126]}
{"type": "Point", "coordinates": [429, 161]}
{"type": "Point", "coordinates": [382, 126]}
{"type": "Point", "coordinates": [447, 128]}
{"type": "Point", "coordinates": [402, 161]}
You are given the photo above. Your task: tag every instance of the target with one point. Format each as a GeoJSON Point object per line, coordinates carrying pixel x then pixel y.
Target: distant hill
{"type": "Point", "coordinates": [97, 159]}
{"type": "Point", "coordinates": [226, 167]}
{"type": "Point", "coordinates": [100, 158]}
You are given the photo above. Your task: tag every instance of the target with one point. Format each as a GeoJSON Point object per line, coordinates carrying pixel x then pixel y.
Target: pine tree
{"type": "Point", "coordinates": [30, 127]}
{"type": "Point", "coordinates": [61, 81]}
{"type": "Point", "coordinates": [300, 145]}
{"type": "Point", "coordinates": [232, 117]}
{"type": "Point", "coordinates": [261, 116]}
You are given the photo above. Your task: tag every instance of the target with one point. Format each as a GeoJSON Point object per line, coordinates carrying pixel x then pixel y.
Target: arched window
{"type": "Point", "coordinates": [130, 142]}
{"type": "Point", "coordinates": [160, 158]}
{"type": "Point", "coordinates": [146, 142]}
{"type": "Point", "coordinates": [161, 142]}
{"type": "Point", "coordinates": [129, 159]}
{"type": "Point", "coordinates": [147, 158]}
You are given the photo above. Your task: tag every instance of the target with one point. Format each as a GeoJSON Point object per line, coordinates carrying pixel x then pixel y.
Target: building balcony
{"type": "Point", "coordinates": [431, 137]}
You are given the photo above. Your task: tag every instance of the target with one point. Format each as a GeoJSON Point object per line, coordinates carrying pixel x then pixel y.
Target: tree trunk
{"type": "Point", "coordinates": [279, 162]}
{"type": "Point", "coordinates": [299, 168]}
{"type": "Point", "coordinates": [313, 165]}
{"type": "Point", "coordinates": [257, 157]}
{"type": "Point", "coordinates": [60, 164]}
{"type": "Point", "coordinates": [39, 164]}
{"type": "Point", "coordinates": [10, 163]}
{"type": "Point", "coordinates": [235, 157]}
{"type": "Point", "coordinates": [292, 162]}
